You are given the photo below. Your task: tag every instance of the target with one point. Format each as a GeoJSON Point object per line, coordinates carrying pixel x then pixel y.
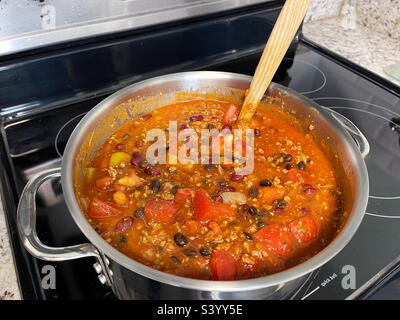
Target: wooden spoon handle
{"type": "Point", "coordinates": [278, 43]}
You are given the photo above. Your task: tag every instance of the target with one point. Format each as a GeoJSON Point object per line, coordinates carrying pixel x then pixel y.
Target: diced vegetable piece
{"type": "Point", "coordinates": [89, 173]}
{"type": "Point", "coordinates": [268, 195]}
{"type": "Point", "coordinates": [299, 176]}
{"type": "Point", "coordinates": [208, 210]}
{"type": "Point", "coordinates": [183, 194]}
{"type": "Point", "coordinates": [162, 211]}
{"type": "Point", "coordinates": [276, 238]}
{"type": "Point", "coordinates": [231, 114]}
{"type": "Point", "coordinates": [234, 197]}
{"type": "Point", "coordinates": [118, 157]}
{"type": "Point", "coordinates": [101, 209]}
{"type": "Point", "coordinates": [119, 198]}
{"type": "Point", "coordinates": [131, 180]}
{"type": "Point", "coordinates": [215, 228]}
{"type": "Point", "coordinates": [304, 229]}
{"type": "Point", "coordinates": [104, 183]}
{"type": "Point", "coordinates": [223, 266]}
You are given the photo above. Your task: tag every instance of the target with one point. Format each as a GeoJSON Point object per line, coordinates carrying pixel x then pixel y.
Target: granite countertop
{"type": "Point", "coordinates": [9, 288]}
{"type": "Point", "coordinates": [370, 49]}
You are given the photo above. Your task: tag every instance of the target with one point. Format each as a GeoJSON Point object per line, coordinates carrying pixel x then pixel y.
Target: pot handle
{"type": "Point", "coordinates": [26, 221]}
{"type": "Point", "coordinates": [351, 128]}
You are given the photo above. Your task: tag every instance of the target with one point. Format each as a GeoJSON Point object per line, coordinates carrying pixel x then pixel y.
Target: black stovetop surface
{"type": "Point", "coordinates": [36, 143]}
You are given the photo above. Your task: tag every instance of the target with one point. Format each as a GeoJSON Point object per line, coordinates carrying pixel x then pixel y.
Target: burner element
{"type": "Point", "coordinates": [316, 78]}
{"type": "Point", "coordinates": [380, 125]}
{"type": "Point", "coordinates": [64, 133]}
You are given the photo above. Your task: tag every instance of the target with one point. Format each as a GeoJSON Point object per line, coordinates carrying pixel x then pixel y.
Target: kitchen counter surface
{"type": "Point", "coordinates": [368, 48]}
{"type": "Point", "coordinates": [9, 289]}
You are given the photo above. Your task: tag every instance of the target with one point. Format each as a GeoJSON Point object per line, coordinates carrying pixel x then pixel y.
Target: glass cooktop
{"type": "Point", "coordinates": [358, 271]}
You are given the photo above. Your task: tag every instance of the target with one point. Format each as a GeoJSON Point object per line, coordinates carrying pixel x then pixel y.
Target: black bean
{"type": "Point", "coordinates": [189, 252]}
{"type": "Point", "coordinates": [180, 239]}
{"type": "Point", "coordinates": [265, 183]}
{"type": "Point", "coordinates": [205, 252]}
{"type": "Point", "coordinates": [156, 185]}
{"type": "Point", "coordinates": [122, 239]}
{"type": "Point", "coordinates": [265, 212]}
{"type": "Point", "coordinates": [210, 126]}
{"type": "Point", "coordinates": [210, 166]}
{"type": "Point", "coordinates": [279, 203]}
{"type": "Point", "coordinates": [301, 165]}
{"type": "Point", "coordinates": [253, 210]}
{"type": "Point", "coordinates": [257, 132]}
{"type": "Point", "coordinates": [152, 171]}
{"type": "Point", "coordinates": [139, 213]}
{"type": "Point", "coordinates": [125, 136]}
{"type": "Point", "coordinates": [261, 224]}
{"type": "Point", "coordinates": [136, 159]}
{"type": "Point", "coordinates": [253, 193]}
{"type": "Point", "coordinates": [143, 164]}
{"type": "Point", "coordinates": [174, 189]}
{"type": "Point", "coordinates": [222, 182]}
{"type": "Point", "coordinates": [287, 157]}
{"type": "Point", "coordinates": [248, 236]}
{"type": "Point", "coordinates": [175, 259]}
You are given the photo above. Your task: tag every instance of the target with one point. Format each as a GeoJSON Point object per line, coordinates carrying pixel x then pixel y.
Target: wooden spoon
{"type": "Point", "coordinates": [285, 28]}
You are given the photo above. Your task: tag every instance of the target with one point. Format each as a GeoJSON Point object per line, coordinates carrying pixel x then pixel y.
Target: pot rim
{"type": "Point", "coordinates": [335, 246]}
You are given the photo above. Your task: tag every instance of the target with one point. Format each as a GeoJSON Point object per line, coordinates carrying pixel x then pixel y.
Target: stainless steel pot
{"type": "Point", "coordinates": [344, 144]}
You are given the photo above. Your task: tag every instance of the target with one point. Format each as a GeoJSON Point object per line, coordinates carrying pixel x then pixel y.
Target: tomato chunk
{"type": "Point", "coordinates": [304, 229]}
{"type": "Point", "coordinates": [208, 210]}
{"type": "Point", "coordinates": [299, 176]}
{"type": "Point", "coordinates": [223, 266]}
{"type": "Point", "coordinates": [192, 227]}
{"type": "Point", "coordinates": [183, 194]}
{"type": "Point", "coordinates": [269, 194]}
{"type": "Point", "coordinates": [276, 238]}
{"type": "Point", "coordinates": [231, 114]}
{"type": "Point", "coordinates": [162, 211]}
{"type": "Point", "coordinates": [105, 183]}
{"type": "Point", "coordinates": [101, 209]}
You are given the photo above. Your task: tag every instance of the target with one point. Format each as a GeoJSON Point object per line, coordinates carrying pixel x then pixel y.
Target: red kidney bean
{"type": "Point", "coordinates": [288, 166]}
{"type": "Point", "coordinates": [226, 189]}
{"type": "Point", "coordinates": [124, 225]}
{"type": "Point", "coordinates": [119, 146]}
{"type": "Point", "coordinates": [146, 117]}
{"type": "Point", "coordinates": [196, 118]}
{"type": "Point", "coordinates": [226, 129]}
{"type": "Point", "coordinates": [152, 171]}
{"type": "Point", "coordinates": [237, 177]}
{"type": "Point", "coordinates": [138, 144]}
{"type": "Point", "coordinates": [305, 211]}
{"type": "Point", "coordinates": [217, 198]}
{"type": "Point", "coordinates": [136, 158]}
{"type": "Point", "coordinates": [183, 126]}
{"type": "Point", "coordinates": [310, 191]}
